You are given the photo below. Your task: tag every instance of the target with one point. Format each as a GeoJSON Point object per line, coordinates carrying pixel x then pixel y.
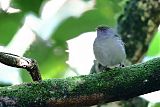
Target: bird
{"type": "Point", "coordinates": [108, 48]}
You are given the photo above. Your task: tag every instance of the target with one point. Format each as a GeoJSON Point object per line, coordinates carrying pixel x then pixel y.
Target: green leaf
{"type": "Point", "coordinates": [154, 105]}
{"type": "Point", "coordinates": [27, 5]}
{"type": "Point", "coordinates": [50, 57]}
{"type": "Point", "coordinates": [154, 48]}
{"type": "Point", "coordinates": [55, 66]}
{"type": "Point", "coordinates": [9, 24]}
{"type": "Point", "coordinates": [105, 13]}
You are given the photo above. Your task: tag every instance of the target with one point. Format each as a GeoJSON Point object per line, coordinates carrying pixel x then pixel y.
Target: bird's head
{"type": "Point", "coordinates": [105, 31]}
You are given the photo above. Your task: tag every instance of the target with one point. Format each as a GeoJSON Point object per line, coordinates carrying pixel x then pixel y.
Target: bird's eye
{"type": "Point", "coordinates": [116, 35]}
{"type": "Point", "coordinates": [102, 28]}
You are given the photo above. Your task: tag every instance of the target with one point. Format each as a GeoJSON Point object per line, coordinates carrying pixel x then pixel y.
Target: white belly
{"type": "Point", "coordinates": [109, 52]}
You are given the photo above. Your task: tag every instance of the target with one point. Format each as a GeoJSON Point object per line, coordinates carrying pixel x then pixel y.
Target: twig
{"type": "Point", "coordinates": [21, 62]}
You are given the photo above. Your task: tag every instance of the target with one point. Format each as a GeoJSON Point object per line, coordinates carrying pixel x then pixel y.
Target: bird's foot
{"type": "Point", "coordinates": [121, 65]}
{"type": "Point", "coordinates": [103, 68]}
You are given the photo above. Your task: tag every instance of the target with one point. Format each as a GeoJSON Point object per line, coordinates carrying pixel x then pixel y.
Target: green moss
{"type": "Point", "coordinates": [118, 83]}
{"type": "Point", "coordinates": [137, 26]}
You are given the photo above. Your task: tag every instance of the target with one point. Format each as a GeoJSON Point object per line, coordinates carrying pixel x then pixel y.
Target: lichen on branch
{"type": "Point", "coordinates": [115, 84]}
{"type": "Point", "coordinates": [137, 26]}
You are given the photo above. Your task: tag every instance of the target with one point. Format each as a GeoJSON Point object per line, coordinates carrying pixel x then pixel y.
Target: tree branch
{"type": "Point", "coordinates": [115, 84]}
{"type": "Point", "coordinates": [21, 62]}
{"type": "Point", "coordinates": [137, 27]}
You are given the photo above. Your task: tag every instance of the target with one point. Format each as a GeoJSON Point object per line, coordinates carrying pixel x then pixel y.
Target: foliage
{"type": "Point", "coordinates": [52, 57]}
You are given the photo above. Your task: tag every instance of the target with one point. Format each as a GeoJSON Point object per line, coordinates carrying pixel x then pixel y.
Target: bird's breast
{"type": "Point", "coordinates": [109, 51]}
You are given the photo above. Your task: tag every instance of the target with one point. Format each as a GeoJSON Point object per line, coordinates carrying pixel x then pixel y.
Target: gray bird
{"type": "Point", "coordinates": [108, 47]}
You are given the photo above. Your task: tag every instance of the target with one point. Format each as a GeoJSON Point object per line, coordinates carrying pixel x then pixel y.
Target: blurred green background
{"type": "Point", "coordinates": [52, 64]}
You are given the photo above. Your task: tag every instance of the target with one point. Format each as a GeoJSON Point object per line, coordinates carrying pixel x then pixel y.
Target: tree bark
{"type": "Point", "coordinates": [115, 84]}
{"type": "Point", "coordinates": [137, 26]}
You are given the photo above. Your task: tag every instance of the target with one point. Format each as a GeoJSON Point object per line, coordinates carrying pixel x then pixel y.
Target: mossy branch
{"type": "Point", "coordinates": [115, 84]}
{"type": "Point", "coordinates": [137, 26]}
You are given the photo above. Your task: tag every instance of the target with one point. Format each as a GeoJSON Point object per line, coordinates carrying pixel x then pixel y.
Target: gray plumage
{"type": "Point", "coordinates": [108, 47]}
